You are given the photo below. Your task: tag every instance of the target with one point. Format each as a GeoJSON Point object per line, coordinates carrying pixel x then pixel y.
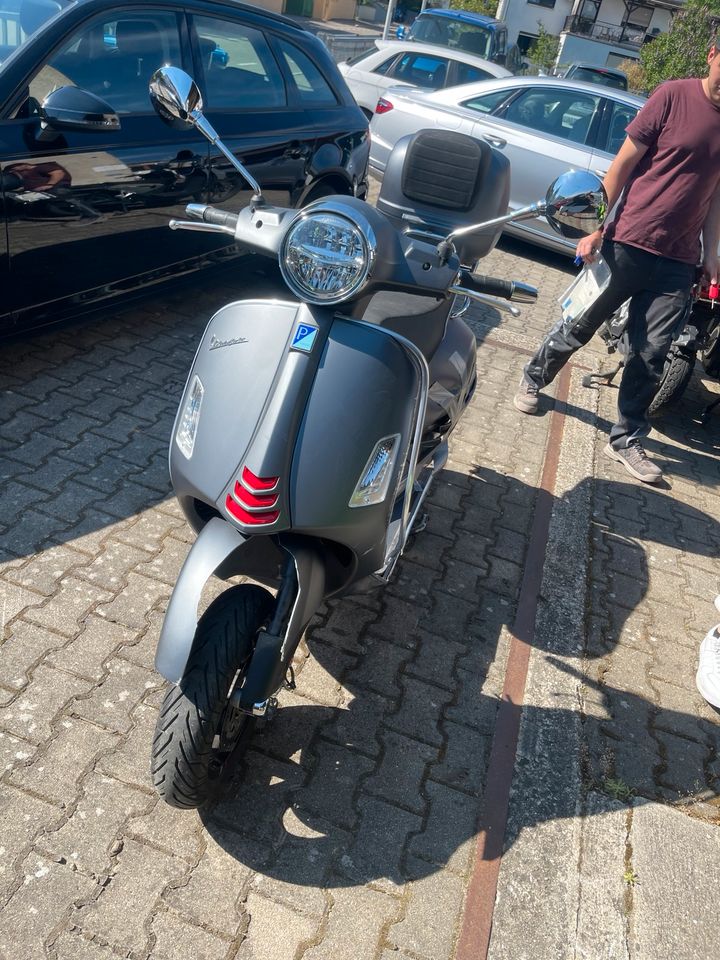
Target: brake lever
{"type": "Point", "coordinates": [200, 227]}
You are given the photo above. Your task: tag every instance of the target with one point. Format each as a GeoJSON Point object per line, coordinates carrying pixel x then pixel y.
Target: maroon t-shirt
{"type": "Point", "coordinates": [667, 196]}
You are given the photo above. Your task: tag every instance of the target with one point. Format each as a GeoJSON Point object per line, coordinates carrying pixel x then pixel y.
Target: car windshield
{"type": "Point", "coordinates": [20, 19]}
{"type": "Point", "coordinates": [599, 76]}
{"type": "Point", "coordinates": [453, 33]}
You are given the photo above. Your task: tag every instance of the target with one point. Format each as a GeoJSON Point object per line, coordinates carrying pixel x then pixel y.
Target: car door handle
{"type": "Point", "coordinates": [494, 141]}
{"type": "Point", "coordinates": [600, 173]}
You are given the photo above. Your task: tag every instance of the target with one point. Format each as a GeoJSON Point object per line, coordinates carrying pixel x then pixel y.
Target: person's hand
{"type": "Point", "coordinates": [588, 247]}
{"type": "Point", "coordinates": [711, 268]}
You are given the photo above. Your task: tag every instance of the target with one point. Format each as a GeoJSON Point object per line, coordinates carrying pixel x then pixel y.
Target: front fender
{"type": "Point", "coordinates": [216, 541]}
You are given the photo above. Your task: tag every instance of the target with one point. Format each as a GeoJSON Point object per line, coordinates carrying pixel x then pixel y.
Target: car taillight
{"type": "Point", "coordinates": [383, 105]}
{"type": "Point", "coordinates": [253, 498]}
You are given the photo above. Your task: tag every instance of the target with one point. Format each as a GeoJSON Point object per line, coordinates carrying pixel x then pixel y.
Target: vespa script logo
{"type": "Point", "coordinates": [216, 344]}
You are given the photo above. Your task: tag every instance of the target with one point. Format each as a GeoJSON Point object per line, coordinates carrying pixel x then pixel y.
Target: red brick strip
{"type": "Point", "coordinates": [474, 938]}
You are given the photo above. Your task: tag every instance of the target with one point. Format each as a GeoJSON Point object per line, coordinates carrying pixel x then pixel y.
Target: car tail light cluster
{"type": "Point", "coordinates": [383, 106]}
{"type": "Point", "coordinates": [254, 500]}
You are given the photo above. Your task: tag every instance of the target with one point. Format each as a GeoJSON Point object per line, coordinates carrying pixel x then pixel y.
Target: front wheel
{"type": "Point", "coordinates": [675, 377]}
{"type": "Point", "coordinates": [198, 728]}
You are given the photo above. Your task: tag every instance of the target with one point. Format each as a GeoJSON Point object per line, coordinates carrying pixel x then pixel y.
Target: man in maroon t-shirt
{"type": "Point", "coordinates": [669, 168]}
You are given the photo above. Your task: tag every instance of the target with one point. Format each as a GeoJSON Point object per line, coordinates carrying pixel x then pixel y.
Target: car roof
{"type": "Point", "coordinates": [454, 53]}
{"type": "Point", "coordinates": [464, 15]}
{"type": "Point", "coordinates": [238, 4]}
{"type": "Point", "coordinates": [487, 86]}
{"type": "Point", "coordinates": [597, 66]}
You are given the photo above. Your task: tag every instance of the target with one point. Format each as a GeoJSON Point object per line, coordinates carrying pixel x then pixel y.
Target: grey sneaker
{"type": "Point", "coordinates": [526, 399]}
{"type": "Point", "coordinates": [635, 461]}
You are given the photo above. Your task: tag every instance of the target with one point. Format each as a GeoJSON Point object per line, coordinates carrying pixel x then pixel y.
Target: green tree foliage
{"type": "Point", "coordinates": [683, 51]}
{"type": "Point", "coordinates": [486, 7]}
{"type": "Point", "coordinates": [543, 50]}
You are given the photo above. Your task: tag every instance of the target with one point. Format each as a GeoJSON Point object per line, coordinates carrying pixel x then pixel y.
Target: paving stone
{"type": "Point", "coordinates": [133, 603]}
{"type": "Point", "coordinates": [265, 789]}
{"type": "Point", "coordinates": [355, 926]}
{"type": "Point", "coordinates": [42, 572]}
{"type": "Point", "coordinates": [215, 887]}
{"type": "Point", "coordinates": [475, 705]}
{"type": "Point", "coordinates": [87, 654]}
{"type": "Point", "coordinates": [13, 751]}
{"type": "Point", "coordinates": [420, 710]}
{"type": "Point", "coordinates": [21, 817]}
{"type": "Point", "coordinates": [177, 832]}
{"type": "Point", "coordinates": [130, 760]}
{"type": "Point", "coordinates": [345, 625]}
{"type": "Point", "coordinates": [167, 564]}
{"type": "Point", "coordinates": [73, 946]}
{"type": "Point", "coordinates": [428, 926]}
{"type": "Point", "coordinates": [357, 726]}
{"type": "Point", "coordinates": [110, 568]}
{"type": "Point", "coordinates": [380, 839]}
{"type": "Point", "coordinates": [683, 764]}
{"type": "Point", "coordinates": [176, 939]}
{"type": "Point", "coordinates": [113, 699]}
{"type": "Point", "coordinates": [26, 646]}
{"type": "Point", "coordinates": [398, 621]}
{"type": "Point", "coordinates": [379, 667]}
{"type": "Point", "coordinates": [434, 660]}
{"type": "Point", "coordinates": [320, 677]}
{"type": "Point", "coordinates": [39, 905]}
{"type": "Point", "coordinates": [66, 611]}
{"type": "Point", "coordinates": [462, 579]}
{"type": "Point", "coordinates": [56, 769]}
{"type": "Point", "coordinates": [464, 759]}
{"type": "Point", "coordinates": [449, 835]}
{"type": "Point", "coordinates": [87, 837]}
{"type": "Point", "coordinates": [266, 918]}
{"type": "Point", "coordinates": [334, 782]}
{"type": "Point", "coordinates": [294, 727]}
{"type": "Point", "coordinates": [400, 775]}
{"type": "Point", "coordinates": [122, 910]}
{"type": "Point", "coordinates": [149, 530]}
{"type": "Point", "coordinates": [33, 712]}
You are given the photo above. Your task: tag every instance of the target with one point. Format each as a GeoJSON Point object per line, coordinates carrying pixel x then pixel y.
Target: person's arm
{"type": "Point", "coordinates": [711, 238]}
{"type": "Point", "coordinates": [626, 159]}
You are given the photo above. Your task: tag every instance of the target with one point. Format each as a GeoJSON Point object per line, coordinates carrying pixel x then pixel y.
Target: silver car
{"type": "Point", "coordinates": [543, 125]}
{"type": "Point", "coordinates": [393, 62]}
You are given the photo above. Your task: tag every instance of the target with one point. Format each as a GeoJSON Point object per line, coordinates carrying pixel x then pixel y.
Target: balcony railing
{"type": "Point", "coordinates": [606, 32]}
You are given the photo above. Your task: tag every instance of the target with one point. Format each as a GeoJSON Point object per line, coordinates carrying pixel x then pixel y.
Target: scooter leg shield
{"type": "Point", "coordinates": [216, 541]}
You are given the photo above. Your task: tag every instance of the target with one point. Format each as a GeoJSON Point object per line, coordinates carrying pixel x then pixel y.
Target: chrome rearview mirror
{"type": "Point", "coordinates": [575, 205]}
{"type": "Point", "coordinates": [177, 100]}
{"type": "Point", "coordinates": [176, 97]}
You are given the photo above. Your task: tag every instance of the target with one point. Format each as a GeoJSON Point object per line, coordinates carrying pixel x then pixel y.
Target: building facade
{"type": "Point", "coordinates": [603, 32]}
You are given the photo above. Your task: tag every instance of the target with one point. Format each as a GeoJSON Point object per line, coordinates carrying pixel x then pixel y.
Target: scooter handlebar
{"type": "Point", "coordinates": [492, 286]}
{"type": "Point", "coordinates": [218, 218]}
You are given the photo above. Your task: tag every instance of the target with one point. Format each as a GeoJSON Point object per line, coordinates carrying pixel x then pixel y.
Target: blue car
{"type": "Point", "coordinates": [472, 32]}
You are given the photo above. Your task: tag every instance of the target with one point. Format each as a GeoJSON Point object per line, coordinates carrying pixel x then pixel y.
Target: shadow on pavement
{"type": "Point", "coordinates": [391, 786]}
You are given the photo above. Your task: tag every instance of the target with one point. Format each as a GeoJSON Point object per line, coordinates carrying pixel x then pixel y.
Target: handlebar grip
{"type": "Point", "coordinates": [489, 285]}
{"type": "Point", "coordinates": [220, 218]}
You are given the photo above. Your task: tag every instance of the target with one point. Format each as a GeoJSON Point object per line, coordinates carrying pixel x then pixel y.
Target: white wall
{"type": "Point", "coordinates": [523, 17]}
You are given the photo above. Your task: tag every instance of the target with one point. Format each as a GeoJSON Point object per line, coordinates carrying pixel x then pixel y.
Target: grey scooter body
{"type": "Point", "coordinates": [310, 430]}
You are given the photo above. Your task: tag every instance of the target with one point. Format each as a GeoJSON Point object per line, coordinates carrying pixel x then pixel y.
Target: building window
{"type": "Point", "coordinates": [543, 3]}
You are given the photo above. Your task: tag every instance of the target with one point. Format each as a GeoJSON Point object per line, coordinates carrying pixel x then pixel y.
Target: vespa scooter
{"type": "Point", "coordinates": [311, 426]}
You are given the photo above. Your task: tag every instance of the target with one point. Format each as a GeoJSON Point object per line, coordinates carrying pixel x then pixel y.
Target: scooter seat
{"type": "Point", "coordinates": [421, 320]}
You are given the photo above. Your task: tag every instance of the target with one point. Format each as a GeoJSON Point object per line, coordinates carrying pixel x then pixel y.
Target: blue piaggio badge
{"type": "Point", "coordinates": [304, 338]}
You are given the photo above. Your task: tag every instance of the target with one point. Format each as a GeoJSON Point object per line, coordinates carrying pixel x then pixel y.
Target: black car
{"type": "Point", "coordinates": [86, 194]}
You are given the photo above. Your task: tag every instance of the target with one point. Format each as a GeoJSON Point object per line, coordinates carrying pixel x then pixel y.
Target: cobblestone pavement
{"type": "Point", "coordinates": [349, 831]}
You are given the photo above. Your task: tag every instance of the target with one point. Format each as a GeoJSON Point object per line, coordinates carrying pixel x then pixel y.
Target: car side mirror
{"type": "Point", "coordinates": [70, 108]}
{"type": "Point", "coordinates": [576, 204]}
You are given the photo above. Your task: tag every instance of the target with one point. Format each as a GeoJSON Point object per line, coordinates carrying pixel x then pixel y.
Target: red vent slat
{"type": "Point", "coordinates": [251, 519]}
{"type": "Point", "coordinates": [258, 484]}
{"type": "Point", "coordinates": [248, 499]}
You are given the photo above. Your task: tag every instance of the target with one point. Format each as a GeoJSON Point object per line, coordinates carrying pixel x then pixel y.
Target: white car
{"type": "Point", "coordinates": [544, 127]}
{"type": "Point", "coordinates": [396, 63]}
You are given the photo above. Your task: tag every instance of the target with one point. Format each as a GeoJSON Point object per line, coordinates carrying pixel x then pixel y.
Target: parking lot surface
{"type": "Point", "coordinates": [351, 828]}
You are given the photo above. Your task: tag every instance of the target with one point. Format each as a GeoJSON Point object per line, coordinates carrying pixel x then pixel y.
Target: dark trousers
{"type": "Point", "coordinates": [658, 290]}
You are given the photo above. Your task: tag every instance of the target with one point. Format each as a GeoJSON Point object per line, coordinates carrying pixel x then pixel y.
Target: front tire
{"type": "Point", "coordinates": [198, 729]}
{"type": "Point", "coordinates": [675, 378]}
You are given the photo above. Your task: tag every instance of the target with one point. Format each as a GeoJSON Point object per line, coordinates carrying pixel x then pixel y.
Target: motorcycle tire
{"type": "Point", "coordinates": [198, 729]}
{"type": "Point", "coordinates": [675, 377]}
{"type": "Point", "coordinates": [710, 354]}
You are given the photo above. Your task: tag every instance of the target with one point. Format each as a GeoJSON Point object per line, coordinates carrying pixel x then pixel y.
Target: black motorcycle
{"type": "Point", "coordinates": [699, 336]}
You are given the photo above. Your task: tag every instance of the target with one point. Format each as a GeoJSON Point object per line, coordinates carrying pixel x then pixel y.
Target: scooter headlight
{"type": "Point", "coordinates": [327, 255]}
{"type": "Point", "coordinates": [187, 428]}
